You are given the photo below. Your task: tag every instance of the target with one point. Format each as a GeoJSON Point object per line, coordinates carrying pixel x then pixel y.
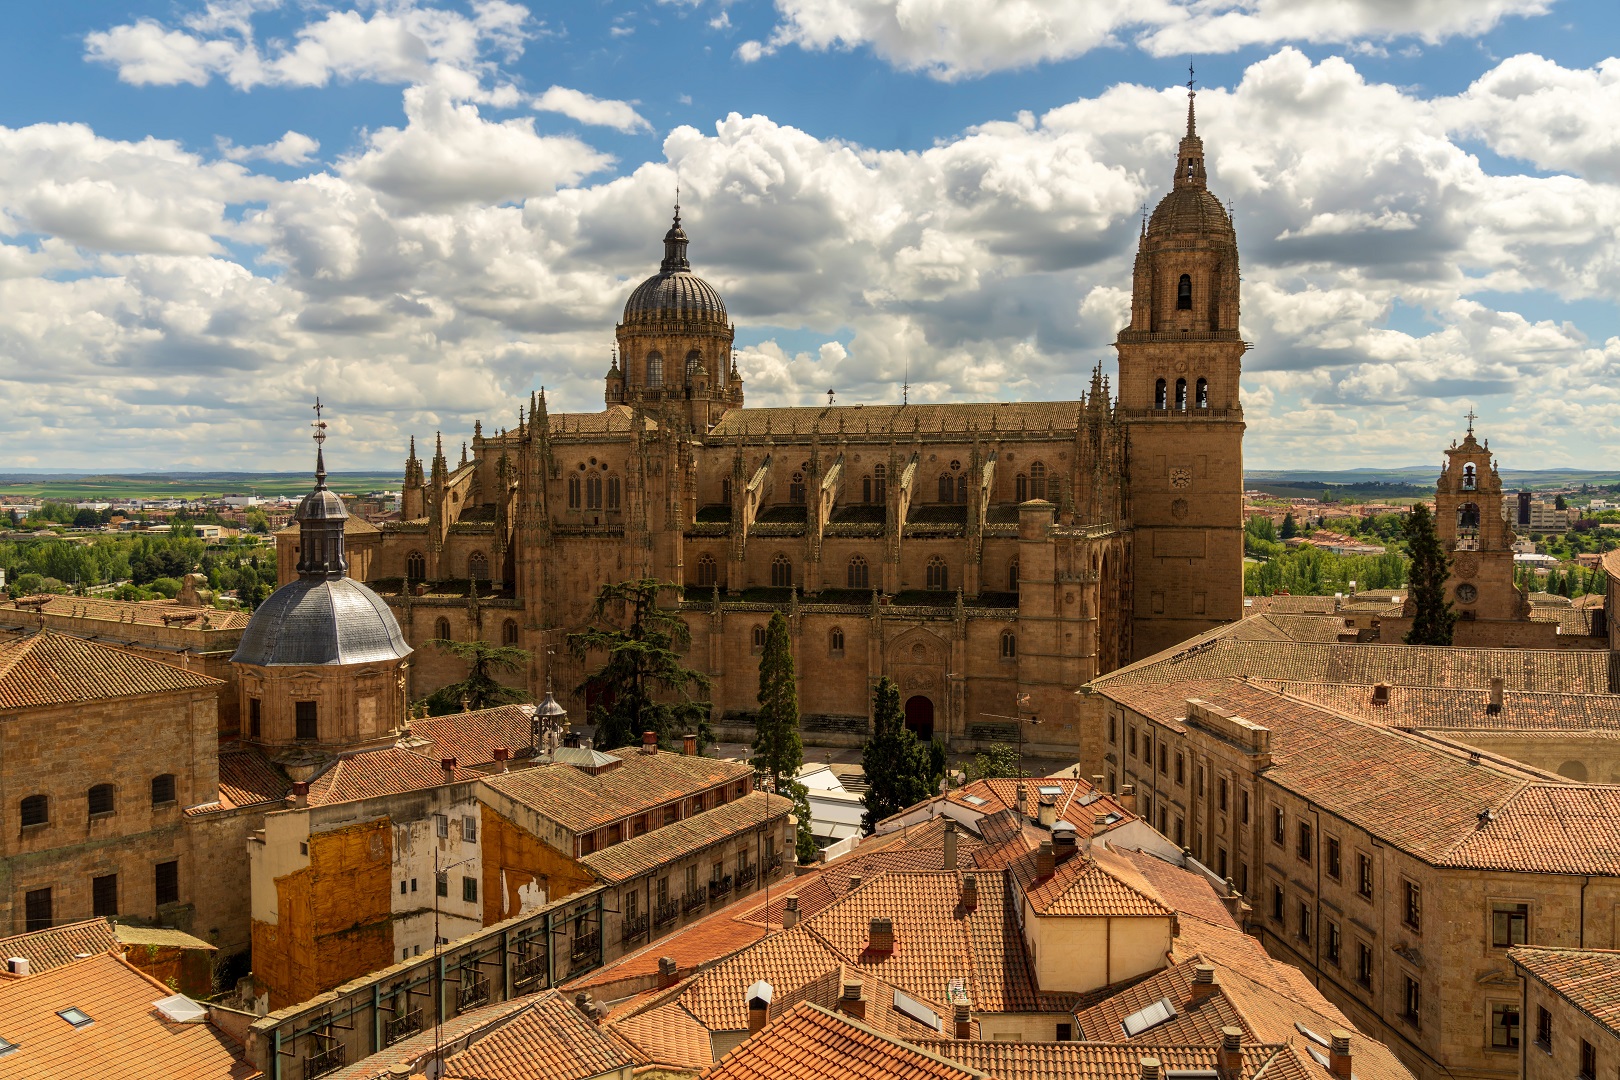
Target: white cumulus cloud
{"type": "Point", "coordinates": [580, 106]}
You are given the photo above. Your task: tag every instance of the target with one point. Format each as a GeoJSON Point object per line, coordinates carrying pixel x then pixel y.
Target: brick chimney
{"type": "Point", "coordinates": [689, 745]}
{"type": "Point", "coordinates": [1019, 794]}
{"type": "Point", "coordinates": [950, 844]}
{"type": "Point", "coordinates": [668, 972]}
{"type": "Point", "coordinates": [1097, 781]}
{"type": "Point", "coordinates": [1045, 861]}
{"type": "Point", "coordinates": [759, 1005]}
{"type": "Point", "coordinates": [1496, 695]}
{"type": "Point", "coordinates": [649, 742]}
{"type": "Point", "coordinates": [502, 754]}
{"type": "Point", "coordinates": [449, 766]}
{"type": "Point", "coordinates": [1127, 798]}
{"type": "Point", "coordinates": [790, 914]}
{"type": "Point", "coordinates": [1229, 1065]}
{"type": "Point", "coordinates": [880, 937]}
{"type": "Point", "coordinates": [1339, 1053]}
{"type": "Point", "coordinates": [1203, 984]}
{"type": "Point", "coordinates": [1150, 1068]}
{"type": "Point", "coordinates": [962, 1023]}
{"type": "Point", "coordinates": [1064, 840]}
{"type": "Point", "coordinates": [854, 882]}
{"type": "Point", "coordinates": [852, 1003]}
{"type": "Point", "coordinates": [300, 794]}
{"type": "Point", "coordinates": [970, 892]}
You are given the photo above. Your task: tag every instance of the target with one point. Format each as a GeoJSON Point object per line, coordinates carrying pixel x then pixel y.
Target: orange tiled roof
{"type": "Point", "coordinates": [551, 1040]}
{"type": "Point", "coordinates": [1095, 883]}
{"type": "Point", "coordinates": [128, 1038]}
{"type": "Point", "coordinates": [248, 778]}
{"type": "Point", "coordinates": [371, 773]}
{"type": "Point", "coordinates": [582, 802]}
{"type": "Point", "coordinates": [1187, 892]}
{"type": "Point", "coordinates": [471, 737]}
{"type": "Point", "coordinates": [678, 840]}
{"type": "Point", "coordinates": [1439, 708]}
{"type": "Point", "coordinates": [47, 949]}
{"type": "Point", "coordinates": [1103, 1061]}
{"type": "Point", "coordinates": [954, 418]}
{"type": "Point", "coordinates": [48, 668]}
{"type": "Point", "coordinates": [813, 1043]}
{"type": "Point", "coordinates": [667, 1035]}
{"type": "Point", "coordinates": [1589, 978]}
{"type": "Point", "coordinates": [134, 612]}
{"type": "Point", "coordinates": [1549, 829]}
{"type": "Point", "coordinates": [787, 960]}
{"type": "Point", "coordinates": [1077, 802]}
{"type": "Point", "coordinates": [412, 1049]}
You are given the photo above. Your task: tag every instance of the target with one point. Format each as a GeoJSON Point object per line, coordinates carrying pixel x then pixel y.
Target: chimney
{"type": "Point", "coordinates": [1381, 694]}
{"type": "Point", "coordinates": [1018, 804]}
{"type": "Point", "coordinates": [1127, 798]}
{"type": "Point", "coordinates": [759, 1005]}
{"type": "Point", "coordinates": [1096, 781]}
{"type": "Point", "coordinates": [689, 745]}
{"type": "Point", "coordinates": [1064, 840]}
{"type": "Point", "coordinates": [1150, 1068]}
{"type": "Point", "coordinates": [1046, 810]}
{"type": "Point", "coordinates": [300, 794]}
{"type": "Point", "coordinates": [790, 914]}
{"type": "Point", "coordinates": [1496, 695]}
{"type": "Point", "coordinates": [1229, 1065]}
{"type": "Point", "coordinates": [668, 972]}
{"type": "Point", "coordinates": [449, 766]}
{"type": "Point", "coordinates": [970, 892]}
{"type": "Point", "coordinates": [17, 965]}
{"type": "Point", "coordinates": [502, 754]}
{"type": "Point", "coordinates": [851, 1002]}
{"type": "Point", "coordinates": [950, 844]}
{"type": "Point", "coordinates": [854, 882]}
{"type": "Point", "coordinates": [1339, 1054]}
{"type": "Point", "coordinates": [881, 936]}
{"type": "Point", "coordinates": [1203, 984]}
{"type": "Point", "coordinates": [963, 1022]}
{"type": "Point", "coordinates": [582, 1002]}
{"type": "Point", "coordinates": [1045, 861]}
{"type": "Point", "coordinates": [649, 742]}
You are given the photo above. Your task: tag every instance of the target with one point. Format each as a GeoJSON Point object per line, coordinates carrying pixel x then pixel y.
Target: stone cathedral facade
{"type": "Point", "coordinates": [989, 558]}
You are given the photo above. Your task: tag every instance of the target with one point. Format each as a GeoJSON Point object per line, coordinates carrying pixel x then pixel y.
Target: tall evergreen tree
{"type": "Point", "coordinates": [480, 689]}
{"type": "Point", "coordinates": [1290, 528]}
{"type": "Point", "coordinates": [643, 684]}
{"type": "Point", "coordinates": [1434, 619]}
{"type": "Point", "coordinates": [900, 769]}
{"type": "Point", "coordinates": [778, 750]}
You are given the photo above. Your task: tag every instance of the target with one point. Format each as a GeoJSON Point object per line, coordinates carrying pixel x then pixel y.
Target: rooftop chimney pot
{"type": "Point", "coordinates": [790, 914]}
{"type": "Point", "coordinates": [970, 891]}
{"type": "Point", "coordinates": [881, 935]}
{"type": "Point", "coordinates": [962, 1022]}
{"type": "Point", "coordinates": [1339, 1060]}
{"type": "Point", "coordinates": [300, 794]}
{"type": "Point", "coordinates": [1150, 1068]}
{"type": "Point", "coordinates": [1204, 985]}
{"type": "Point", "coordinates": [950, 844]}
{"type": "Point", "coordinates": [689, 745]}
{"type": "Point", "coordinates": [1045, 860]}
{"type": "Point", "coordinates": [649, 742]}
{"type": "Point", "coordinates": [1496, 695]}
{"type": "Point", "coordinates": [668, 971]}
{"type": "Point", "coordinates": [851, 1002]}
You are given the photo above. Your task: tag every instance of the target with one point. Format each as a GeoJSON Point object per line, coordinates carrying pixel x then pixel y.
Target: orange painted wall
{"type": "Point", "coordinates": [521, 858]}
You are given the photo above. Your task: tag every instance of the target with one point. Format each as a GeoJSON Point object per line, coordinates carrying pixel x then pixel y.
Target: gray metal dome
{"type": "Point", "coordinates": [321, 621]}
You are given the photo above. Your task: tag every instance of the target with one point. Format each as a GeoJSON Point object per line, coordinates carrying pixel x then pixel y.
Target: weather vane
{"type": "Point", "coordinates": [829, 398]}
{"type": "Point", "coordinates": [319, 425]}
{"type": "Point", "coordinates": [1189, 76]}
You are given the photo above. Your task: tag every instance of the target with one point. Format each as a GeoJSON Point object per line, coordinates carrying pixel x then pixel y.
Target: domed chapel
{"type": "Point", "coordinates": [988, 557]}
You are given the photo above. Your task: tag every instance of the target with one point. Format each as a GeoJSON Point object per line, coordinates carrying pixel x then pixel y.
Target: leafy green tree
{"type": "Point", "coordinates": [642, 685]}
{"type": "Point", "coordinates": [1290, 528]}
{"type": "Point", "coordinates": [1434, 619]}
{"type": "Point", "coordinates": [479, 689]}
{"type": "Point", "coordinates": [778, 750]}
{"type": "Point", "coordinates": [1000, 760]}
{"type": "Point", "coordinates": [901, 770]}
{"type": "Point", "coordinates": [86, 519]}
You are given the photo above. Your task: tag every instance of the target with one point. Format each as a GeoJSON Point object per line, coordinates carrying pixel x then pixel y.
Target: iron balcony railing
{"type": "Point", "coordinates": [402, 1027]}
{"type": "Point", "coordinates": [330, 1060]}
{"type": "Point", "coordinates": [529, 969]}
{"type": "Point", "coordinates": [719, 887]}
{"type": "Point", "coordinates": [746, 876]}
{"type": "Point", "coordinates": [634, 927]}
{"type": "Point", "coordinates": [474, 991]}
{"type": "Point", "coordinates": [694, 900]}
{"type": "Point", "coordinates": [585, 946]}
{"type": "Point", "coordinates": [666, 912]}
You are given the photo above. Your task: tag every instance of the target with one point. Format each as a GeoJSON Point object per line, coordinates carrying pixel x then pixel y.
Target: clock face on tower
{"type": "Point", "coordinates": [1180, 478]}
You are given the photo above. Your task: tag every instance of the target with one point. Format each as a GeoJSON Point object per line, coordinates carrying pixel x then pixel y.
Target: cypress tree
{"type": "Point", "coordinates": [1433, 619]}
{"type": "Point", "coordinates": [778, 750]}
{"type": "Point", "coordinates": [900, 769]}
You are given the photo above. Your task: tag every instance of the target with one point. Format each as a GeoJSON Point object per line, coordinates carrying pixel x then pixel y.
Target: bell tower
{"type": "Point", "coordinates": [1179, 363]}
{"type": "Point", "coordinates": [1470, 524]}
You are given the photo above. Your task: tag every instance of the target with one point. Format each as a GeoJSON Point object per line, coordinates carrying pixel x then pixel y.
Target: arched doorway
{"type": "Point", "coordinates": [920, 716]}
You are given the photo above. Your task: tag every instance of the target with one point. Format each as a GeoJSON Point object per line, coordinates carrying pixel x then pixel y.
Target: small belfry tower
{"type": "Point", "coordinates": [1179, 362]}
{"type": "Point", "coordinates": [1469, 523]}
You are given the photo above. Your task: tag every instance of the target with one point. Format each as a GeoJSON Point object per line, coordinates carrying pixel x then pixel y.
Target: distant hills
{"type": "Point", "coordinates": [1406, 482]}
{"type": "Point", "coordinates": [178, 485]}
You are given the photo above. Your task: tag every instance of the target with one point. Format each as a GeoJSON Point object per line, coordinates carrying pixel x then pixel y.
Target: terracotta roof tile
{"type": "Point", "coordinates": [47, 949]}
{"type": "Point", "coordinates": [133, 612]}
{"type": "Point", "coordinates": [678, 840]}
{"type": "Point", "coordinates": [371, 773]}
{"type": "Point", "coordinates": [1589, 978]}
{"type": "Point", "coordinates": [1099, 882]}
{"type": "Point", "coordinates": [248, 778]}
{"type": "Point", "coordinates": [48, 668]}
{"type": "Point", "coordinates": [812, 1043]}
{"type": "Point", "coordinates": [471, 737]}
{"type": "Point", "coordinates": [1464, 708]}
{"type": "Point", "coordinates": [668, 1035]}
{"type": "Point", "coordinates": [580, 801]}
{"type": "Point", "coordinates": [786, 960]}
{"type": "Point", "coordinates": [550, 1040]}
{"type": "Point", "coordinates": [1549, 829]}
{"type": "Point", "coordinates": [1187, 892]}
{"type": "Point", "coordinates": [614, 420]}
{"type": "Point", "coordinates": [127, 1038]}
{"type": "Point", "coordinates": [413, 1048]}
{"type": "Point", "coordinates": [1034, 417]}
{"type": "Point", "coordinates": [1098, 1061]}
{"type": "Point", "coordinates": [1076, 801]}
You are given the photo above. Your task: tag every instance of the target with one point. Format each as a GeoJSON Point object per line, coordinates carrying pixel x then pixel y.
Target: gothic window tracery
{"type": "Point", "coordinates": [938, 575]}
{"type": "Point", "coordinates": [1184, 293]}
{"type": "Point", "coordinates": [573, 493]}
{"type": "Point", "coordinates": [759, 638]}
{"type": "Point", "coordinates": [655, 369]}
{"type": "Point", "coordinates": [509, 632]}
{"type": "Point", "coordinates": [880, 481]}
{"type": "Point", "coordinates": [781, 572]}
{"type": "Point", "coordinates": [1037, 480]}
{"type": "Point", "coordinates": [796, 489]}
{"type": "Point", "coordinates": [1012, 576]}
{"type": "Point", "coordinates": [1009, 645]}
{"type": "Point", "coordinates": [859, 575]}
{"type": "Point", "coordinates": [706, 572]}
{"type": "Point", "coordinates": [835, 641]}
{"type": "Point", "coordinates": [415, 567]}
{"type": "Point", "coordinates": [593, 492]}
{"type": "Point", "coordinates": [478, 566]}
{"type": "Point", "coordinates": [613, 493]}
{"type": "Point", "coordinates": [725, 491]}
{"type": "Point", "coordinates": [441, 629]}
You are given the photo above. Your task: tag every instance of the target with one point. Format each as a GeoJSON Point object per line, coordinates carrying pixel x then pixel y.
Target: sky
{"type": "Point", "coordinates": [212, 211]}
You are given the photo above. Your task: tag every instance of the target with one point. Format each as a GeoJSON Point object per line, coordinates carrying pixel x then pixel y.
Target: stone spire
{"type": "Point", "coordinates": [675, 245]}
{"type": "Point", "coordinates": [413, 467]}
{"type": "Point", "coordinates": [440, 470]}
{"type": "Point", "coordinates": [320, 520]}
{"type": "Point", "coordinates": [1190, 159]}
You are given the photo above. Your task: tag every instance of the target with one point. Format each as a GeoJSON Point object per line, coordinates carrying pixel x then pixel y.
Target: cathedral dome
{"type": "Point", "coordinates": [321, 621]}
{"type": "Point", "coordinates": [675, 292]}
{"type": "Point", "coordinates": [1190, 213]}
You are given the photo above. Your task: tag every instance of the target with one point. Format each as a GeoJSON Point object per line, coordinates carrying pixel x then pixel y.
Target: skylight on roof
{"type": "Point", "coordinates": [77, 1017]}
{"type": "Point", "coordinates": [1049, 789]}
{"type": "Point", "coordinates": [1311, 1035]}
{"type": "Point", "coordinates": [974, 799]}
{"type": "Point", "coordinates": [7, 1046]}
{"type": "Point", "coordinates": [1089, 798]}
{"type": "Point", "coordinates": [917, 1010]}
{"type": "Point", "coordinates": [1151, 1017]}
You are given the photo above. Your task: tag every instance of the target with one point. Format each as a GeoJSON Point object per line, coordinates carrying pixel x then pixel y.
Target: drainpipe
{"type": "Point", "coordinates": [1584, 883]}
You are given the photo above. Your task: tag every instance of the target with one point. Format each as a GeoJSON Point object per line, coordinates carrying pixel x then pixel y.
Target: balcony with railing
{"type": "Point", "coordinates": [329, 1060]}
{"type": "Point", "coordinates": [402, 1026]}
{"type": "Point", "coordinates": [746, 876]}
{"type": "Point", "coordinates": [720, 887]}
{"type": "Point", "coordinates": [694, 901]}
{"type": "Point", "coordinates": [634, 927]}
{"type": "Point", "coordinates": [473, 991]}
{"type": "Point", "coordinates": [666, 912]}
{"type": "Point", "coordinates": [773, 862]}
{"type": "Point", "coordinates": [529, 969]}
{"type": "Point", "coordinates": [585, 947]}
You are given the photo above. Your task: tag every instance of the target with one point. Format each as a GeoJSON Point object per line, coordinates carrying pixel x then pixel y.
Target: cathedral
{"type": "Point", "coordinates": [988, 557]}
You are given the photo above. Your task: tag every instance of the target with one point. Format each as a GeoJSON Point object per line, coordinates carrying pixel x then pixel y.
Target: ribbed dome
{"type": "Point", "coordinates": [678, 294]}
{"type": "Point", "coordinates": [321, 505]}
{"type": "Point", "coordinates": [321, 621]}
{"type": "Point", "coordinates": [1190, 213]}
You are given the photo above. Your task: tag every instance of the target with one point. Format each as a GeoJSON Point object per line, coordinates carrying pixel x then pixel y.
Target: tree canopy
{"type": "Point", "coordinates": [480, 689]}
{"type": "Point", "coordinates": [778, 750]}
{"type": "Point", "coordinates": [901, 770]}
{"type": "Point", "coordinates": [1433, 619]}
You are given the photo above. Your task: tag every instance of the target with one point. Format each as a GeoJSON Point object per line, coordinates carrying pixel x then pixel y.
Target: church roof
{"type": "Point", "coordinates": [48, 668]}
{"type": "Point", "coordinates": [322, 621]}
{"type": "Point", "coordinates": [902, 420]}
{"type": "Point", "coordinates": [675, 292]}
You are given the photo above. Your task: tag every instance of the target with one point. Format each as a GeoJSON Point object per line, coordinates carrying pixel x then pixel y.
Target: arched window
{"type": "Point", "coordinates": [36, 810]}
{"type": "Point", "coordinates": [938, 577]}
{"type": "Point", "coordinates": [573, 493]}
{"type": "Point", "coordinates": [1037, 480]}
{"type": "Point", "coordinates": [441, 629]}
{"type": "Point", "coordinates": [1012, 576]}
{"type": "Point", "coordinates": [835, 641]}
{"type": "Point", "coordinates": [858, 575]}
{"type": "Point", "coordinates": [880, 480]}
{"type": "Point", "coordinates": [1159, 399]}
{"type": "Point", "coordinates": [415, 567]}
{"type": "Point", "coordinates": [947, 488]}
{"type": "Point", "coordinates": [1009, 645]}
{"type": "Point", "coordinates": [1020, 487]}
{"type": "Point", "coordinates": [509, 632]}
{"type": "Point", "coordinates": [725, 491]}
{"type": "Point", "coordinates": [478, 566]}
{"type": "Point", "coordinates": [102, 800]}
{"type": "Point", "coordinates": [694, 367]}
{"type": "Point", "coordinates": [163, 789]}
{"type": "Point", "coordinates": [1470, 478]}
{"type": "Point", "coordinates": [1202, 398]}
{"type": "Point", "coordinates": [1181, 393]}
{"type": "Point", "coordinates": [759, 638]}
{"type": "Point", "coordinates": [1468, 517]}
{"type": "Point", "coordinates": [613, 493]}
{"type": "Point", "coordinates": [1184, 293]}
{"type": "Point", "coordinates": [781, 572]}
{"type": "Point", "coordinates": [655, 369]}
{"type": "Point", "coordinates": [796, 489]}
{"type": "Point", "coordinates": [706, 572]}
{"type": "Point", "coordinates": [593, 491]}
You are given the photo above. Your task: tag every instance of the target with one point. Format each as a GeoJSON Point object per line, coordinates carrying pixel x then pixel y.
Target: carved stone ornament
{"type": "Point", "coordinates": [1466, 564]}
{"type": "Point", "coordinates": [1178, 509]}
